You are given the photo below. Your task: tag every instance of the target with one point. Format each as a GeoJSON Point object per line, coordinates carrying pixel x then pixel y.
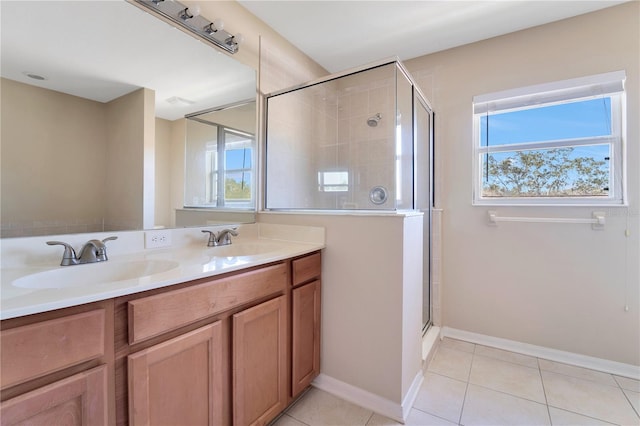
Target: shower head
{"type": "Point", "coordinates": [373, 121]}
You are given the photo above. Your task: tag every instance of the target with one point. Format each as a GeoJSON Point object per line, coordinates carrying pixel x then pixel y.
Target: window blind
{"type": "Point", "coordinates": [596, 85]}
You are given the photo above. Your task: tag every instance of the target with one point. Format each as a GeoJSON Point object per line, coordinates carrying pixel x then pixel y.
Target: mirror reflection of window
{"type": "Point", "coordinates": [337, 181]}
{"type": "Point", "coordinates": [238, 154]}
{"type": "Point", "coordinates": [211, 176]}
{"type": "Point", "coordinates": [220, 159]}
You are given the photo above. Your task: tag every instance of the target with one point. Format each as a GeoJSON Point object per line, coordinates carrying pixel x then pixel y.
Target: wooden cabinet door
{"type": "Point", "coordinates": [77, 400]}
{"type": "Point", "coordinates": [180, 381]}
{"type": "Point", "coordinates": [259, 363]}
{"type": "Point", "coordinates": [305, 340]}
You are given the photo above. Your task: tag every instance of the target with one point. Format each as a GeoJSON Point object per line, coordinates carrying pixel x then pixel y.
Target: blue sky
{"type": "Point", "coordinates": [563, 121]}
{"type": "Point", "coordinates": [238, 159]}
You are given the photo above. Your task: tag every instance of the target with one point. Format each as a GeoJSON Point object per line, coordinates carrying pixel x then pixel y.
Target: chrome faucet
{"type": "Point", "coordinates": [222, 239]}
{"type": "Point", "coordinates": [93, 251]}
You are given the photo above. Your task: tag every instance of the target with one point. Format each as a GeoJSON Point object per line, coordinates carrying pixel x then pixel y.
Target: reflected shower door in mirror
{"type": "Point", "coordinates": [93, 115]}
{"type": "Point", "coordinates": [220, 154]}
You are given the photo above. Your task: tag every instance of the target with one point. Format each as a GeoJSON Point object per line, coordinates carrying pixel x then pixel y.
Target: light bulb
{"type": "Point", "coordinates": [218, 24]}
{"type": "Point", "coordinates": [194, 10]}
{"type": "Point", "coordinates": [239, 38]}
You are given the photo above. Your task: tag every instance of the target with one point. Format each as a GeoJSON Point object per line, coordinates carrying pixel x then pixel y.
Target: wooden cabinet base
{"type": "Point", "coordinates": [228, 350]}
{"type": "Point", "coordinates": [305, 343]}
{"type": "Point", "coordinates": [259, 363]}
{"type": "Point", "coordinates": [77, 400]}
{"type": "Point", "coordinates": [178, 382]}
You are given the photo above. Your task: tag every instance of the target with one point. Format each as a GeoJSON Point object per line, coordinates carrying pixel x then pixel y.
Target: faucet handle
{"type": "Point", "coordinates": [212, 238]}
{"type": "Point", "coordinates": [223, 236]}
{"type": "Point", "coordinates": [101, 252]}
{"type": "Point", "coordinates": [69, 256]}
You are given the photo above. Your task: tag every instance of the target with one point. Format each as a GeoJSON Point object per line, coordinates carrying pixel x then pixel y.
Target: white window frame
{"type": "Point", "coordinates": [242, 203]}
{"type": "Point", "coordinates": [216, 168]}
{"type": "Point", "coordinates": [327, 175]}
{"type": "Point", "coordinates": [596, 86]}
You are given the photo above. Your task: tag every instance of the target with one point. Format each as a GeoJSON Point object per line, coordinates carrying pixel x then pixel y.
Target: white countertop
{"type": "Point", "coordinates": [187, 259]}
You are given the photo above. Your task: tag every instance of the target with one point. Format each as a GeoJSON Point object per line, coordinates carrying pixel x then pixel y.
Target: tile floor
{"type": "Point", "coordinates": [468, 384]}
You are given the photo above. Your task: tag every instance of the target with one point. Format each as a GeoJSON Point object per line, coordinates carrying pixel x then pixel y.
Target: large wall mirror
{"type": "Point", "coordinates": [94, 99]}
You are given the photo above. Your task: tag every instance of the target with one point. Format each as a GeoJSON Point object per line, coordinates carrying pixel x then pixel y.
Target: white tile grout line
{"type": "Point", "coordinates": [543, 387]}
{"type": "Point", "coordinates": [369, 419]}
{"type": "Point", "coordinates": [544, 391]}
{"type": "Point", "coordinates": [466, 390]}
{"type": "Point", "coordinates": [434, 415]}
{"type": "Point", "coordinates": [629, 401]}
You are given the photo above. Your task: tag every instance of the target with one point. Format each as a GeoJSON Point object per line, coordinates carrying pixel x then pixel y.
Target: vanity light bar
{"type": "Point", "coordinates": [190, 19]}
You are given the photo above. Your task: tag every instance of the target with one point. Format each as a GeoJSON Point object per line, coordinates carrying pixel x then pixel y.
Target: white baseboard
{"type": "Point", "coordinates": [373, 402]}
{"type": "Point", "coordinates": [430, 342]}
{"type": "Point", "coordinates": [412, 394]}
{"type": "Point", "coordinates": [607, 366]}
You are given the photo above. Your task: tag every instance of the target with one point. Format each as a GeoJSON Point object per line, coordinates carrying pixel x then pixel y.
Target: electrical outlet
{"type": "Point", "coordinates": [158, 238]}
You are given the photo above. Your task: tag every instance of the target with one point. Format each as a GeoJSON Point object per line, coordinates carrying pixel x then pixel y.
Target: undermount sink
{"type": "Point", "coordinates": [94, 273]}
{"type": "Point", "coordinates": [253, 248]}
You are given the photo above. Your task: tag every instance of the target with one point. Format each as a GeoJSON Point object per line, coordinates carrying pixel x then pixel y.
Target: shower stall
{"type": "Point", "coordinates": [358, 141]}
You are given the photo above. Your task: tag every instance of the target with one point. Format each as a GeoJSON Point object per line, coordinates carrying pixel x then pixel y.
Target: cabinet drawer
{"type": "Point", "coordinates": [154, 315]}
{"type": "Point", "coordinates": [37, 349]}
{"type": "Point", "coordinates": [306, 268]}
{"type": "Point", "coordinates": [81, 399]}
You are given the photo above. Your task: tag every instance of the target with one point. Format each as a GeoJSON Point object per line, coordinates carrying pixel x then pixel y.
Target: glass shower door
{"type": "Point", "coordinates": [424, 195]}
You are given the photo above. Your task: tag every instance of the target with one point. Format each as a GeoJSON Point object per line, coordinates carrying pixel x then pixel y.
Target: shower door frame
{"type": "Point", "coordinates": [420, 101]}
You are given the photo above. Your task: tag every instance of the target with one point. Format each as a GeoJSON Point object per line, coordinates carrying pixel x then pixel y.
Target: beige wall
{"type": "Point", "coordinates": [125, 154]}
{"type": "Point", "coordinates": [178, 132]}
{"type": "Point", "coordinates": [241, 117]}
{"type": "Point", "coordinates": [163, 210]}
{"type": "Point", "coordinates": [45, 188]}
{"type": "Point", "coordinates": [561, 286]}
{"type": "Point", "coordinates": [148, 158]}
{"type": "Point", "coordinates": [72, 165]}
{"type": "Point", "coordinates": [371, 299]}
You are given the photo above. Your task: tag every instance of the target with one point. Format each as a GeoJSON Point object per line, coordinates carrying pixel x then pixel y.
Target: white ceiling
{"type": "Point", "coordinates": [101, 50]}
{"type": "Point", "coordinates": [345, 34]}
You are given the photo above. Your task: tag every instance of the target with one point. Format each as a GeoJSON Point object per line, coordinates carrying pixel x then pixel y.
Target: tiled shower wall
{"type": "Point", "coordinates": [325, 130]}
{"type": "Point", "coordinates": [367, 153]}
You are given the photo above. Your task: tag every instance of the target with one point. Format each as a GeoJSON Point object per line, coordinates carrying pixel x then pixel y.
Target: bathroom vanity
{"type": "Point", "coordinates": [232, 347]}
